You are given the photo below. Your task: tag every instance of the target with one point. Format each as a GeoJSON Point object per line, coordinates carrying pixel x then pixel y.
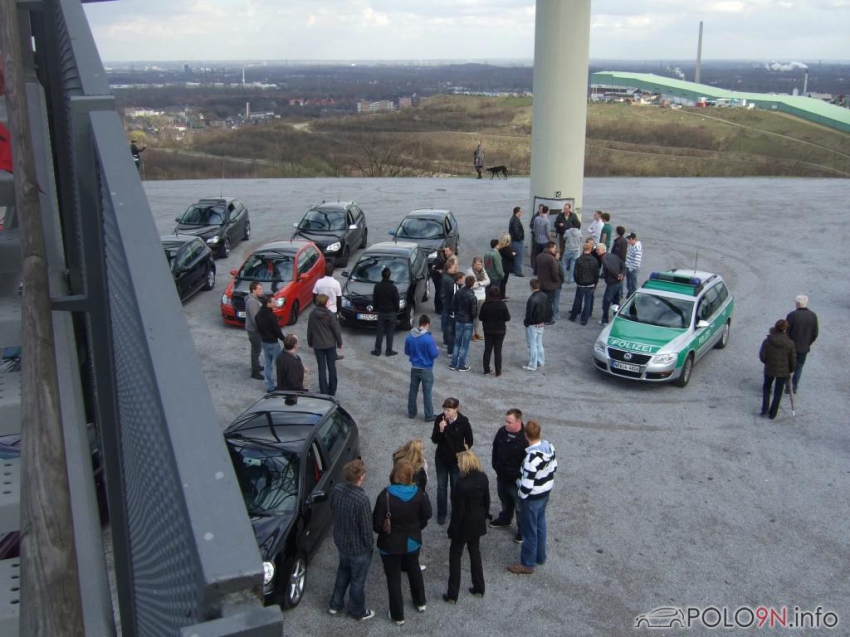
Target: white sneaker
{"type": "Point", "coordinates": [422, 567]}
{"type": "Point", "coordinates": [369, 615]}
{"type": "Point", "coordinates": [422, 608]}
{"type": "Point", "coordinates": [530, 369]}
{"type": "Point", "coordinates": [399, 622]}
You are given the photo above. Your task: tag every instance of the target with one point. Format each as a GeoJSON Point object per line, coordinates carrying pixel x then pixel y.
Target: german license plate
{"type": "Point", "coordinates": [240, 315]}
{"type": "Point", "coordinates": [367, 317]}
{"type": "Point", "coordinates": [625, 367]}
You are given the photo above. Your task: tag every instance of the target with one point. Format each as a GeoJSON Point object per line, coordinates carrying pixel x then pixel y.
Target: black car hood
{"type": "Point", "coordinates": [198, 231]}
{"type": "Point", "coordinates": [321, 239]}
{"type": "Point", "coordinates": [365, 290]}
{"type": "Point", "coordinates": [426, 245]}
{"type": "Point", "coordinates": [240, 286]}
{"type": "Point", "coordinates": [270, 531]}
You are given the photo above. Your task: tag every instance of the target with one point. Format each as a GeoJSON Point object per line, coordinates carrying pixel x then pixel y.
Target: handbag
{"type": "Point", "coordinates": [387, 526]}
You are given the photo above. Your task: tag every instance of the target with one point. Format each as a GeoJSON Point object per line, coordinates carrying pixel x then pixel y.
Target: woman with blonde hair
{"type": "Point", "coordinates": [482, 282]}
{"type": "Point", "coordinates": [413, 452]}
{"type": "Point", "coordinates": [470, 511]}
{"type": "Point", "coordinates": [507, 253]}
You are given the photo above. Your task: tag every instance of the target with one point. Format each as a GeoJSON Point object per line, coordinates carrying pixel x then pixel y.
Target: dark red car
{"type": "Point", "coordinates": [287, 269]}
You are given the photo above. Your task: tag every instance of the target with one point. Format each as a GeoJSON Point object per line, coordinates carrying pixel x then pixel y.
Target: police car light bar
{"type": "Point", "coordinates": [672, 278]}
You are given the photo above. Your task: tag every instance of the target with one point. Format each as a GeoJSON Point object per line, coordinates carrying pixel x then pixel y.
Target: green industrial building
{"type": "Point", "coordinates": [691, 93]}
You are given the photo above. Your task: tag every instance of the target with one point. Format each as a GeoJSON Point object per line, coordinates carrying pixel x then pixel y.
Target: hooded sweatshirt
{"type": "Point", "coordinates": [420, 347]}
{"type": "Point", "coordinates": [409, 509]}
{"type": "Point", "coordinates": [323, 329]}
{"type": "Point", "coordinates": [538, 471]}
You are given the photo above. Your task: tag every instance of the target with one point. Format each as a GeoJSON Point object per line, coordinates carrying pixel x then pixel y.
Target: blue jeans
{"type": "Point", "coordinates": [517, 247]}
{"type": "Point", "coordinates": [351, 574]}
{"type": "Point", "coordinates": [270, 351]}
{"type": "Point", "coordinates": [612, 296]}
{"type": "Point", "coordinates": [445, 474]}
{"type": "Point", "coordinates": [508, 493]}
{"type": "Point", "coordinates": [582, 304]}
{"type": "Point", "coordinates": [556, 300]}
{"type": "Point", "coordinates": [801, 360]}
{"type": "Point", "coordinates": [569, 260]}
{"type": "Point", "coordinates": [631, 281]}
{"type": "Point", "coordinates": [426, 377]}
{"type": "Point", "coordinates": [463, 332]}
{"type": "Point", "coordinates": [448, 325]}
{"type": "Point", "coordinates": [326, 362]}
{"type": "Point", "coordinates": [534, 340]}
{"type": "Point", "coordinates": [533, 514]}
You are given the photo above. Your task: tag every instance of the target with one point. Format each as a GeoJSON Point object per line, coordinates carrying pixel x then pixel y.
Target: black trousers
{"type": "Point", "coordinates": [493, 343]}
{"type": "Point", "coordinates": [475, 566]}
{"type": "Point", "coordinates": [778, 383]}
{"type": "Point", "coordinates": [386, 326]}
{"type": "Point", "coordinates": [393, 565]}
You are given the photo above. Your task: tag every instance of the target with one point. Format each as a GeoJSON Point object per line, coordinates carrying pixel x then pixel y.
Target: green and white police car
{"type": "Point", "coordinates": [667, 325]}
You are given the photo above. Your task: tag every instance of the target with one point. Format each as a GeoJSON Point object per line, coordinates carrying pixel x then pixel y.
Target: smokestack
{"type": "Point", "coordinates": [243, 68]}
{"type": "Point", "coordinates": [248, 111]}
{"type": "Point", "coordinates": [805, 81]}
{"type": "Point", "coordinates": [699, 55]}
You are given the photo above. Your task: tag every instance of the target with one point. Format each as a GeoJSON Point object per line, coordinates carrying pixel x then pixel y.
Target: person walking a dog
{"type": "Point", "coordinates": [478, 158]}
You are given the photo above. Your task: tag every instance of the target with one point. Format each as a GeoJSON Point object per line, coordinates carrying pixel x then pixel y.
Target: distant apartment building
{"type": "Point", "coordinates": [311, 101]}
{"type": "Point", "coordinates": [141, 112]}
{"type": "Point", "coordinates": [381, 106]}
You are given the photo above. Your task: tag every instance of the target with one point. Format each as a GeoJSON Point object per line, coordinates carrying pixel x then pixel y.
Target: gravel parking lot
{"type": "Point", "coordinates": [664, 496]}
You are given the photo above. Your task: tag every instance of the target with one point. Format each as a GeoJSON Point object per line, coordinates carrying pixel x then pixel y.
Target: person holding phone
{"type": "Point", "coordinates": [452, 434]}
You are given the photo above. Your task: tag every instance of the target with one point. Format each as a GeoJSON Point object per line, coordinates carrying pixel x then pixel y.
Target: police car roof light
{"type": "Point", "coordinates": [672, 278]}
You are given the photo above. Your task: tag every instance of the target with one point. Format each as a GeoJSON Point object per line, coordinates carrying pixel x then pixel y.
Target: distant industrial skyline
{"type": "Point", "coordinates": [491, 30]}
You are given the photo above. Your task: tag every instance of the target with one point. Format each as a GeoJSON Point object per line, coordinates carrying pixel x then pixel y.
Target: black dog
{"type": "Point", "coordinates": [498, 170]}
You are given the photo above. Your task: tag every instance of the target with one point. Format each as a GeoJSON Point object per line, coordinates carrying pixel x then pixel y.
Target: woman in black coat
{"type": "Point", "coordinates": [470, 511]}
{"type": "Point", "coordinates": [508, 256]}
{"type": "Point", "coordinates": [494, 314]}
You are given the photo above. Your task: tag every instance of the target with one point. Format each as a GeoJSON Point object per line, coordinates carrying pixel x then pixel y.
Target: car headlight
{"type": "Point", "coordinates": [225, 300]}
{"type": "Point", "coordinates": [402, 304]}
{"type": "Point", "coordinates": [664, 359]}
{"type": "Point", "coordinates": [213, 240]}
{"type": "Point", "coordinates": [346, 303]}
{"type": "Point", "coordinates": [268, 573]}
{"type": "Point", "coordinates": [433, 255]}
{"type": "Point", "coordinates": [334, 247]}
{"type": "Point", "coordinates": [601, 347]}
{"type": "Point", "coordinates": [280, 301]}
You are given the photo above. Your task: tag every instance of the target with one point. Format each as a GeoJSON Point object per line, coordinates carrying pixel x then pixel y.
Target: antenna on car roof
{"type": "Point", "coordinates": [696, 258]}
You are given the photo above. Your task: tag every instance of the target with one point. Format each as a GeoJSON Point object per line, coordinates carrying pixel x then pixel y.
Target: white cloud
{"type": "Point", "coordinates": [371, 17]}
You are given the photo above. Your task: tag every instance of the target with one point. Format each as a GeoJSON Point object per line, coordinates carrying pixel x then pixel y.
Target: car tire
{"type": "Point", "coordinates": [345, 256]}
{"type": "Point", "coordinates": [410, 319]}
{"type": "Point", "coordinates": [293, 581]}
{"type": "Point", "coordinates": [293, 313]}
{"type": "Point", "coordinates": [365, 241]}
{"type": "Point", "coordinates": [224, 252]}
{"type": "Point", "coordinates": [724, 337]}
{"type": "Point", "coordinates": [247, 231]}
{"type": "Point", "coordinates": [687, 371]}
{"type": "Point", "coordinates": [210, 277]}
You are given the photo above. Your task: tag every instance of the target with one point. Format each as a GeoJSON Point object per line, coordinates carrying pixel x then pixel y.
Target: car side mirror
{"type": "Point", "coordinates": [701, 325]}
{"type": "Point", "coordinates": [391, 233]}
{"type": "Point", "coordinates": [234, 272]}
{"type": "Point", "coordinates": [353, 226]}
{"type": "Point", "coordinates": [315, 497]}
{"type": "Point", "coordinates": [345, 274]}
{"type": "Point", "coordinates": [615, 308]}
{"type": "Point", "coordinates": [177, 219]}
{"type": "Point", "coordinates": [295, 224]}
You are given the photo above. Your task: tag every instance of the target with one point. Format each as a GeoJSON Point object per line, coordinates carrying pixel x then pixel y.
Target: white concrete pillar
{"type": "Point", "coordinates": [561, 49]}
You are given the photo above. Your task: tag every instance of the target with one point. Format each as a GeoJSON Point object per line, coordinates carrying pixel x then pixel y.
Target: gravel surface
{"type": "Point", "coordinates": [664, 496]}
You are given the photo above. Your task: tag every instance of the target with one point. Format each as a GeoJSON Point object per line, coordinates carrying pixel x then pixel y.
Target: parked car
{"type": "Point", "coordinates": [191, 262]}
{"type": "Point", "coordinates": [287, 269]}
{"type": "Point", "coordinates": [409, 273]}
{"type": "Point", "coordinates": [431, 229]}
{"type": "Point", "coordinates": [220, 221]}
{"type": "Point", "coordinates": [338, 228]}
{"type": "Point", "coordinates": [288, 451]}
{"type": "Point", "coordinates": [667, 325]}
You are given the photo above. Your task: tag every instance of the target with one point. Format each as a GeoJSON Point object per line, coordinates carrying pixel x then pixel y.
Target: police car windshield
{"type": "Point", "coordinates": [658, 310]}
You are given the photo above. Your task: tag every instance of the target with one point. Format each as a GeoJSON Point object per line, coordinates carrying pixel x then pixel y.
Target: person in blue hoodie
{"type": "Point", "coordinates": [420, 347]}
{"type": "Point", "coordinates": [401, 511]}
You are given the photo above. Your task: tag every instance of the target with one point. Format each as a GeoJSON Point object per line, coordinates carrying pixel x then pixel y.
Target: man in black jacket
{"type": "Point", "coordinates": [517, 233]}
{"type": "Point", "coordinates": [803, 330]}
{"type": "Point", "coordinates": [448, 286]}
{"type": "Point", "coordinates": [508, 454]}
{"type": "Point", "coordinates": [290, 369]}
{"type": "Point", "coordinates": [614, 271]}
{"type": "Point", "coordinates": [586, 276]}
{"type": "Point", "coordinates": [452, 434]}
{"type": "Point", "coordinates": [325, 337]}
{"type": "Point", "coordinates": [386, 301]}
{"type": "Point", "coordinates": [465, 309]}
{"type": "Point", "coordinates": [269, 331]}
{"type": "Point", "coordinates": [538, 311]}
{"type": "Point", "coordinates": [443, 255]}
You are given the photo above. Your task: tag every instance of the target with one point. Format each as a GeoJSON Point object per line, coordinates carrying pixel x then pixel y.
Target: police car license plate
{"type": "Point", "coordinates": [625, 367]}
{"type": "Point", "coordinates": [240, 315]}
{"type": "Point", "coordinates": [367, 317]}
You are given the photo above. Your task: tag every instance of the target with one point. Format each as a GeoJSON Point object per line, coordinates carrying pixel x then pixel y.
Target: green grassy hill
{"type": "Point", "coordinates": [437, 138]}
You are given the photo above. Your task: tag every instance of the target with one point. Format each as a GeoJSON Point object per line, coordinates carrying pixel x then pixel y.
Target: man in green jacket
{"type": "Point", "coordinates": [493, 265]}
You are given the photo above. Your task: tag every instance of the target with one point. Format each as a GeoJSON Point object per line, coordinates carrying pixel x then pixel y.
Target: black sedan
{"type": "Point", "coordinates": [220, 221]}
{"type": "Point", "coordinates": [338, 228]}
{"type": "Point", "coordinates": [431, 229]}
{"type": "Point", "coordinates": [409, 273]}
{"type": "Point", "coordinates": [288, 451]}
{"type": "Point", "coordinates": [191, 262]}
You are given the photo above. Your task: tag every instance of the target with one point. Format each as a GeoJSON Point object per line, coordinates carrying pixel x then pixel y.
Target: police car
{"type": "Point", "coordinates": [671, 322]}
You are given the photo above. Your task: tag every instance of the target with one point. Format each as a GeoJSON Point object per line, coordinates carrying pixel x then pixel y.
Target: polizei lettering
{"type": "Point", "coordinates": [635, 347]}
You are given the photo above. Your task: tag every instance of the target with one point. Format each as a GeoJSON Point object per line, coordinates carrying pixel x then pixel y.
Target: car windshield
{"type": "Point", "coordinates": [267, 267]}
{"type": "Point", "coordinates": [658, 310]}
{"type": "Point", "coordinates": [199, 215]}
{"type": "Point", "coordinates": [412, 228]}
{"type": "Point", "coordinates": [368, 269]}
{"type": "Point", "coordinates": [268, 478]}
{"type": "Point", "coordinates": [323, 220]}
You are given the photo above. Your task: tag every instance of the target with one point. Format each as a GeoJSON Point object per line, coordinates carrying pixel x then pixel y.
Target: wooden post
{"type": "Point", "coordinates": [50, 591]}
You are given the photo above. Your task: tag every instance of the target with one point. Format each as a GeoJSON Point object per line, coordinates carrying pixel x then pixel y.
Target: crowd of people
{"type": "Point", "coordinates": [524, 464]}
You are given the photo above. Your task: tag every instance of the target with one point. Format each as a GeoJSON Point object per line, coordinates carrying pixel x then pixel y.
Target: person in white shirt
{"type": "Point", "coordinates": [634, 255]}
{"type": "Point", "coordinates": [329, 286]}
{"type": "Point", "coordinates": [595, 228]}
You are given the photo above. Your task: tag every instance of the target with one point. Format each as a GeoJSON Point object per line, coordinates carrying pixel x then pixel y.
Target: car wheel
{"type": "Point", "coordinates": [293, 314]}
{"type": "Point", "coordinates": [724, 337]}
{"type": "Point", "coordinates": [247, 230]}
{"type": "Point", "coordinates": [687, 370]}
{"type": "Point", "coordinates": [365, 239]}
{"type": "Point", "coordinates": [410, 320]}
{"type": "Point", "coordinates": [292, 587]}
{"type": "Point", "coordinates": [210, 278]}
{"type": "Point", "coordinates": [225, 248]}
{"type": "Point", "coordinates": [345, 255]}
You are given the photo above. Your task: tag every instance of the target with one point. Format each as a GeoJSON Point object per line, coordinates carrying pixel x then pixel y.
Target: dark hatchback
{"type": "Point", "coordinates": [431, 229]}
{"type": "Point", "coordinates": [220, 221]}
{"type": "Point", "coordinates": [337, 228]}
{"type": "Point", "coordinates": [409, 269]}
{"type": "Point", "coordinates": [288, 451]}
{"type": "Point", "coordinates": [191, 262]}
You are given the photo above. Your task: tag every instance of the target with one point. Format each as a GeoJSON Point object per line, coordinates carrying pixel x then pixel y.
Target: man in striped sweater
{"type": "Point", "coordinates": [633, 258]}
{"type": "Point", "coordinates": [535, 483]}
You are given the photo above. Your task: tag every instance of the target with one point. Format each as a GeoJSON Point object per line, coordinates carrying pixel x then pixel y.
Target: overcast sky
{"type": "Point", "coordinates": [128, 30]}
